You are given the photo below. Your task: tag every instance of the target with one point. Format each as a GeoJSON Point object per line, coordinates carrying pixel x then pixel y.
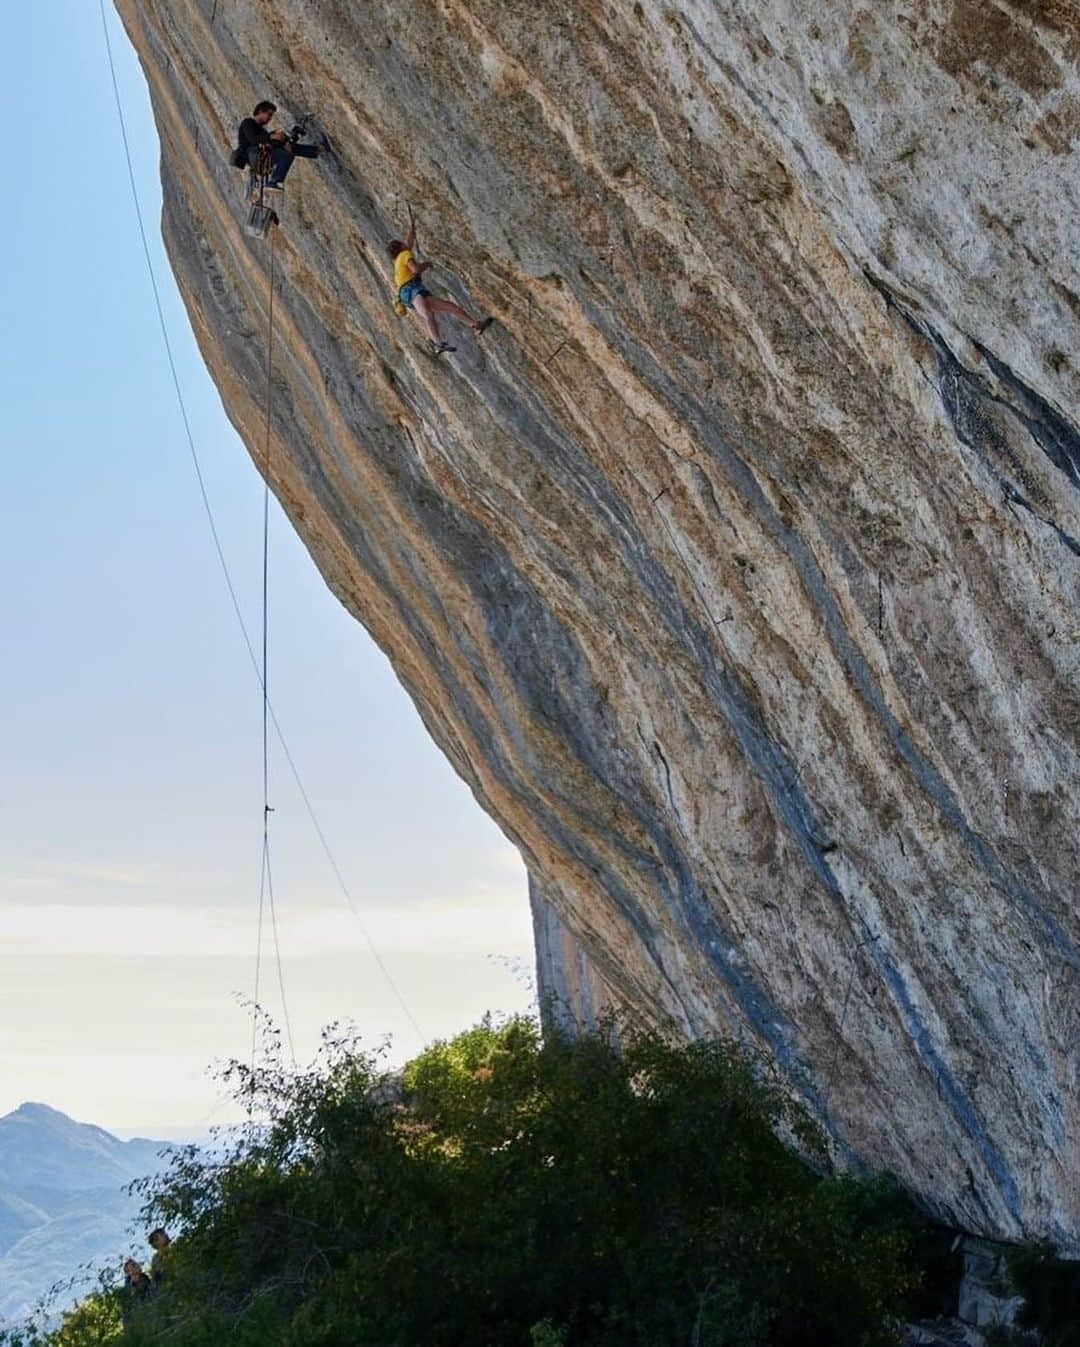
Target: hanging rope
{"type": "Point", "coordinates": [266, 875]}
{"type": "Point", "coordinates": [268, 708]}
{"type": "Point", "coordinates": [266, 545]}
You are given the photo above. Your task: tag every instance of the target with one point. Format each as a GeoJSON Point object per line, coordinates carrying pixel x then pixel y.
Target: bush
{"type": "Point", "coordinates": [96, 1322]}
{"type": "Point", "coordinates": [509, 1191]}
{"type": "Point", "coordinates": [1051, 1288]}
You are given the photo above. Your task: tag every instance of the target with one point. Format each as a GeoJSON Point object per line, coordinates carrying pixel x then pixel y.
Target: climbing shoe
{"type": "Point", "coordinates": [441, 347]}
{"type": "Point", "coordinates": [483, 325]}
{"type": "Point", "coordinates": [275, 187]}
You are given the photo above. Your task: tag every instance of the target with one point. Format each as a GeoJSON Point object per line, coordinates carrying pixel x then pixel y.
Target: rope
{"type": "Point", "coordinates": [165, 334]}
{"type": "Point", "coordinates": [277, 959]}
{"type": "Point", "coordinates": [255, 1008]}
{"type": "Point", "coordinates": [266, 547]}
{"type": "Point", "coordinates": [266, 876]}
{"type": "Point", "coordinates": [860, 945]}
{"type": "Point", "coordinates": [339, 878]}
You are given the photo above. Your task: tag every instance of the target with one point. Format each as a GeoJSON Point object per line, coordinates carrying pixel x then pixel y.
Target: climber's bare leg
{"type": "Point", "coordinates": [425, 306]}
{"type": "Point", "coordinates": [455, 310]}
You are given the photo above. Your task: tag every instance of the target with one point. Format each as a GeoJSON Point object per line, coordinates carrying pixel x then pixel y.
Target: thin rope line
{"type": "Point", "coordinates": [267, 809]}
{"type": "Point", "coordinates": [208, 509]}
{"type": "Point", "coordinates": [277, 954]}
{"type": "Point", "coordinates": [165, 336]}
{"type": "Point", "coordinates": [265, 666]}
{"type": "Point", "coordinates": [265, 680]}
{"type": "Point", "coordinates": [255, 1009]}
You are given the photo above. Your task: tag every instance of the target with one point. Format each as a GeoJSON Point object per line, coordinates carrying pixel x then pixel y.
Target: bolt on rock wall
{"type": "Point", "coordinates": [736, 569]}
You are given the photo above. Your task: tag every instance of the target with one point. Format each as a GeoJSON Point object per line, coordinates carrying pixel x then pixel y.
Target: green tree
{"type": "Point", "coordinates": [95, 1322]}
{"type": "Point", "coordinates": [509, 1190]}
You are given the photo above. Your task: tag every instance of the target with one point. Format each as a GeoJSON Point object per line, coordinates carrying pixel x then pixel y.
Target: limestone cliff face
{"type": "Point", "coordinates": [736, 570]}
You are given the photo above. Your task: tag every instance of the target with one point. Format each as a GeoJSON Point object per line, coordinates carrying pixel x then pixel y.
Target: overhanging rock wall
{"type": "Point", "coordinates": [736, 571]}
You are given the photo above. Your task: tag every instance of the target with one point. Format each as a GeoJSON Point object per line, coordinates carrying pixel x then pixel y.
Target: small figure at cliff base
{"type": "Point", "coordinates": [412, 293]}
{"type": "Point", "coordinates": [136, 1287]}
{"type": "Point", "coordinates": [161, 1244]}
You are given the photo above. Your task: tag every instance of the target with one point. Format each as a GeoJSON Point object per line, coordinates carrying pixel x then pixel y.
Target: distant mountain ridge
{"type": "Point", "coordinates": [63, 1200]}
{"type": "Point", "coordinates": [40, 1147]}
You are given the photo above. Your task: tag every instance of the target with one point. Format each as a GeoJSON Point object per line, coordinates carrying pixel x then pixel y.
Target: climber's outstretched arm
{"type": "Point", "coordinates": [414, 266]}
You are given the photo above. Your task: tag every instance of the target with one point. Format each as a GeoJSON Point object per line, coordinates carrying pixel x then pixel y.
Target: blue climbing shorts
{"type": "Point", "coordinates": [410, 290]}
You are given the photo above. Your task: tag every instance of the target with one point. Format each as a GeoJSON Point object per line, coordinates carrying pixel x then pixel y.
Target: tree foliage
{"type": "Point", "coordinates": [1051, 1288]}
{"type": "Point", "coordinates": [95, 1322]}
{"type": "Point", "coordinates": [509, 1190]}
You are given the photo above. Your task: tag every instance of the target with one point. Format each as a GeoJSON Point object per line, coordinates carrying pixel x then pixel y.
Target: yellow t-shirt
{"type": "Point", "coordinates": [402, 274]}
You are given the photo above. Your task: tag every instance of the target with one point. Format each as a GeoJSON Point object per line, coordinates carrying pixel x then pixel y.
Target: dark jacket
{"type": "Point", "coordinates": [250, 136]}
{"type": "Point", "coordinates": [132, 1293]}
{"type": "Point", "coordinates": [159, 1266]}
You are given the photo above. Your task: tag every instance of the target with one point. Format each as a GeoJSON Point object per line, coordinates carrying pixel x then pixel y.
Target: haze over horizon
{"type": "Point", "coordinates": [130, 793]}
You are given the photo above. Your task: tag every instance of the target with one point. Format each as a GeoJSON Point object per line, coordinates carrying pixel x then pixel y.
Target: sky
{"type": "Point", "coordinates": [130, 718]}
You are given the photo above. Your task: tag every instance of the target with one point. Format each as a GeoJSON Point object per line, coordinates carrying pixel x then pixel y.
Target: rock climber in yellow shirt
{"type": "Point", "coordinates": [411, 293]}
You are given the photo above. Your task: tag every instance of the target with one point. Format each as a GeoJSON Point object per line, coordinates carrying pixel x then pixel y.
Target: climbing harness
{"type": "Point", "coordinates": [261, 218]}
{"type": "Point", "coordinates": [266, 898]}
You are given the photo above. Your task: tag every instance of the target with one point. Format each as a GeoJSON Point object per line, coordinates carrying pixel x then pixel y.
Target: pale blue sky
{"type": "Point", "coordinates": [130, 791]}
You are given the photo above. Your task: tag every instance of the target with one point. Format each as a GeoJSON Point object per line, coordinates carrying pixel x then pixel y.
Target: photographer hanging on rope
{"type": "Point", "coordinates": [269, 154]}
